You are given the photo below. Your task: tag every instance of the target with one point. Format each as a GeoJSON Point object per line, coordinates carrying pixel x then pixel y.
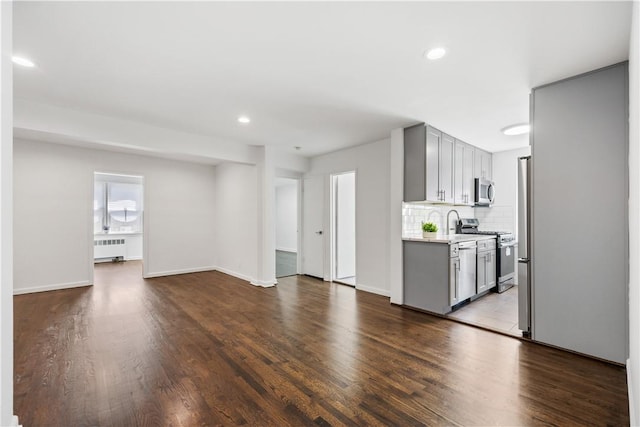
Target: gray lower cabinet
{"type": "Point", "coordinates": [427, 274]}
{"type": "Point", "coordinates": [454, 281]}
{"type": "Point", "coordinates": [486, 265]}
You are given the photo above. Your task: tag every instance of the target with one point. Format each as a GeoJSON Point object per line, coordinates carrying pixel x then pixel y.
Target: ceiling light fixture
{"type": "Point", "coordinates": [244, 120]}
{"type": "Point", "coordinates": [23, 61]}
{"type": "Point", "coordinates": [516, 129]}
{"type": "Point", "coordinates": [435, 53]}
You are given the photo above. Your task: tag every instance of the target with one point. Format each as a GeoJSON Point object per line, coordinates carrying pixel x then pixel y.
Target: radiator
{"type": "Point", "coordinates": [109, 248]}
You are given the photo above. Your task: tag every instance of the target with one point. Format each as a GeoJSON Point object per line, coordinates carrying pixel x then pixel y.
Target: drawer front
{"type": "Point", "coordinates": [485, 245]}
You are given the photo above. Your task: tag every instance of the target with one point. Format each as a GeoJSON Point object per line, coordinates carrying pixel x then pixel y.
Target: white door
{"type": "Point", "coordinates": [312, 224]}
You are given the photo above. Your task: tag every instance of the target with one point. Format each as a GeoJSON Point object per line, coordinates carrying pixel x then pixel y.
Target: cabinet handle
{"type": "Point", "coordinates": [455, 287]}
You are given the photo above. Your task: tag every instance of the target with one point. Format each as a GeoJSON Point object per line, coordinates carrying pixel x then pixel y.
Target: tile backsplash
{"type": "Point", "coordinates": [496, 218]}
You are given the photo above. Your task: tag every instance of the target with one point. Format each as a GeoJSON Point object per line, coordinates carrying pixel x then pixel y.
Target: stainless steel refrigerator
{"type": "Point", "coordinates": [524, 245]}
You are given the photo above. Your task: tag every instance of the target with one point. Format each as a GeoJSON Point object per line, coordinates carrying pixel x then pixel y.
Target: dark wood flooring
{"type": "Point", "coordinates": [208, 349]}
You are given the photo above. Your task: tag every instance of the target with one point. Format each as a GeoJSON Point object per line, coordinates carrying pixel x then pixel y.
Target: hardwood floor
{"type": "Point", "coordinates": [208, 349]}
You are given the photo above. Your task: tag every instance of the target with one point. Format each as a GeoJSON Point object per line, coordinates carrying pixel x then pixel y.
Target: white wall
{"type": "Point", "coordinates": [396, 194]}
{"type": "Point", "coordinates": [633, 364]}
{"type": "Point", "coordinates": [53, 197]}
{"type": "Point", "coordinates": [6, 228]}
{"type": "Point", "coordinates": [287, 215]}
{"type": "Point", "coordinates": [236, 219]}
{"type": "Point", "coordinates": [371, 163]}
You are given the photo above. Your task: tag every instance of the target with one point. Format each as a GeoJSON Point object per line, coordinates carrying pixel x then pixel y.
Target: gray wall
{"type": "Point", "coordinates": [580, 229]}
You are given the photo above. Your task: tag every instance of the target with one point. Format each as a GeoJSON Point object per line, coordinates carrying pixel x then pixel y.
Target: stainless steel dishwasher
{"type": "Point", "coordinates": [467, 280]}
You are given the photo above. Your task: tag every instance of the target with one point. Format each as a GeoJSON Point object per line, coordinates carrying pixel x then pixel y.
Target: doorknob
{"type": "Point", "coordinates": [319, 232]}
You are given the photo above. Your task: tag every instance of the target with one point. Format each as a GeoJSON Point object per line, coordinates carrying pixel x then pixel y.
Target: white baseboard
{"type": "Point", "coordinates": [293, 250]}
{"type": "Point", "coordinates": [45, 288]}
{"type": "Point", "coordinates": [15, 422]}
{"type": "Point", "coordinates": [181, 271]}
{"type": "Point", "coordinates": [633, 420]}
{"type": "Point", "coordinates": [264, 283]}
{"type": "Point", "coordinates": [254, 282]}
{"type": "Point", "coordinates": [134, 258]}
{"type": "Point", "coordinates": [383, 292]}
{"type": "Point", "coordinates": [234, 274]}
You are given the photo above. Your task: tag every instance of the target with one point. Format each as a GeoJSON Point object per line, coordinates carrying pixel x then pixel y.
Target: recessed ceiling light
{"type": "Point", "coordinates": [23, 61]}
{"type": "Point", "coordinates": [436, 53]}
{"type": "Point", "coordinates": [516, 129]}
{"type": "Point", "coordinates": [244, 120]}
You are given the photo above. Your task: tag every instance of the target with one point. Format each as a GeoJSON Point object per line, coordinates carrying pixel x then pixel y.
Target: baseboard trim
{"type": "Point", "coordinates": [15, 422]}
{"type": "Point", "coordinates": [633, 420]}
{"type": "Point", "coordinates": [55, 287]}
{"type": "Point", "coordinates": [181, 271]}
{"type": "Point", "coordinates": [264, 283]}
{"type": "Point", "coordinates": [383, 292]}
{"type": "Point", "coordinates": [234, 274]}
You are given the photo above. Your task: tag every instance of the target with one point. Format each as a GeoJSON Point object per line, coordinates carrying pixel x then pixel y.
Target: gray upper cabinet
{"type": "Point", "coordinates": [431, 166]}
{"type": "Point", "coordinates": [428, 165]}
{"type": "Point", "coordinates": [415, 163]}
{"type": "Point", "coordinates": [463, 173]}
{"type": "Point", "coordinates": [445, 177]}
{"type": "Point", "coordinates": [482, 164]}
{"type": "Point", "coordinates": [434, 139]}
{"type": "Point", "coordinates": [439, 166]}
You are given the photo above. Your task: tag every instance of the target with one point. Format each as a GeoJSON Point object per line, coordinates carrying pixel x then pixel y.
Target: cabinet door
{"type": "Point", "coordinates": [447, 144]}
{"type": "Point", "coordinates": [433, 193]}
{"type": "Point", "coordinates": [486, 165]}
{"type": "Point", "coordinates": [458, 173]}
{"type": "Point", "coordinates": [481, 272]}
{"type": "Point", "coordinates": [467, 175]}
{"type": "Point", "coordinates": [491, 269]}
{"type": "Point", "coordinates": [454, 280]}
{"type": "Point", "coordinates": [482, 164]}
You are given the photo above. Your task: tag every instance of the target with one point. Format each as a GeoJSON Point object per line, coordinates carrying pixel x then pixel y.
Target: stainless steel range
{"type": "Point", "coordinates": [505, 256]}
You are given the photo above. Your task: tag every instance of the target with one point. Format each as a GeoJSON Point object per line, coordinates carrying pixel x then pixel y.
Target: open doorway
{"type": "Point", "coordinates": [117, 217]}
{"type": "Point", "coordinates": [286, 227]}
{"type": "Point", "coordinates": [343, 228]}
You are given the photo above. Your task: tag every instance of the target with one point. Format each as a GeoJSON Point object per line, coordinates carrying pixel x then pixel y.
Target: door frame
{"type": "Point", "coordinates": [299, 180]}
{"type": "Point", "coordinates": [332, 212]}
{"type": "Point", "coordinates": [145, 222]}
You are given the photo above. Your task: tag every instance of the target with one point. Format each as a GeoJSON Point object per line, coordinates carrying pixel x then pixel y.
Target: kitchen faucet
{"type": "Point", "coordinates": [449, 223]}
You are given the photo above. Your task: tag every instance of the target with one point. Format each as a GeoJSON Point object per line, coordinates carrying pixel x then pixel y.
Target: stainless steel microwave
{"type": "Point", "coordinates": [485, 192]}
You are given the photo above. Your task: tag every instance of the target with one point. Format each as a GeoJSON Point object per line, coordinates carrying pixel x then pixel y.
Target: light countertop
{"type": "Point", "coordinates": [449, 239]}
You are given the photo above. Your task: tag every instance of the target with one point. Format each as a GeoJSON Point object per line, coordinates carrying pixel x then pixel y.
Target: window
{"type": "Point", "coordinates": [117, 206]}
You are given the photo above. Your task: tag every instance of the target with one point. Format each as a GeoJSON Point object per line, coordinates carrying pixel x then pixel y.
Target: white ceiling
{"type": "Point", "coordinates": [319, 75]}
